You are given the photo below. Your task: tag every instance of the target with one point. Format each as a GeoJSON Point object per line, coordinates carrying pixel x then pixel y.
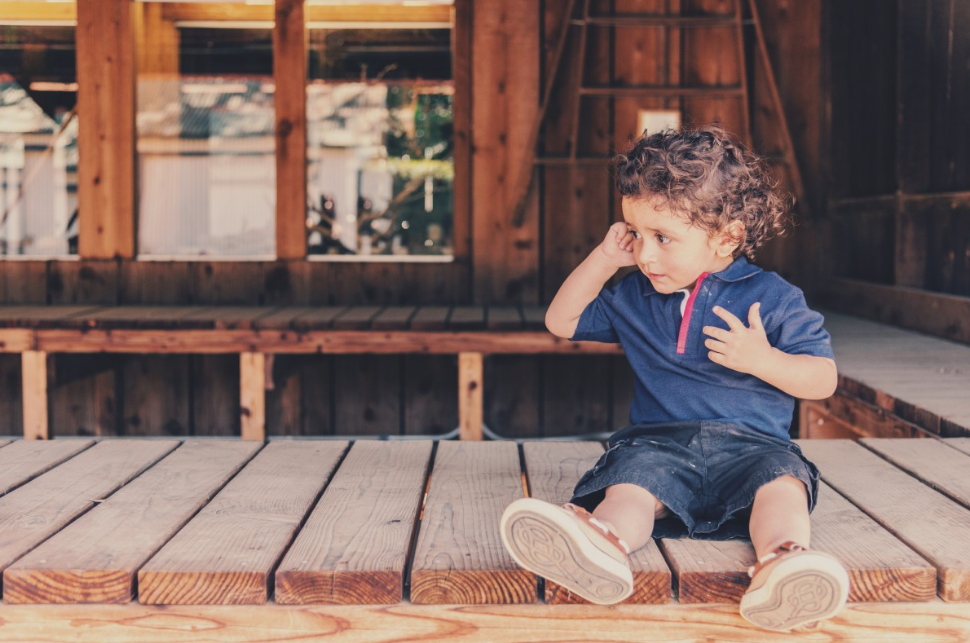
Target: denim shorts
{"type": "Point", "coordinates": [706, 473]}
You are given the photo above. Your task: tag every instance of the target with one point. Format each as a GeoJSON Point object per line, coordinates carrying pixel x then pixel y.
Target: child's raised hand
{"type": "Point", "coordinates": [742, 349]}
{"type": "Point", "coordinates": [618, 245]}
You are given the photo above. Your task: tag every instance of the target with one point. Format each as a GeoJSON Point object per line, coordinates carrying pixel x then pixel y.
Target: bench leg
{"type": "Point", "coordinates": [35, 395]}
{"type": "Point", "coordinates": [252, 395]}
{"type": "Point", "coordinates": [470, 408]}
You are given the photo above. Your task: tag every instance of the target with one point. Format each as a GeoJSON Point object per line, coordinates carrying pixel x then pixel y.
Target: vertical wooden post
{"type": "Point", "coordinates": [252, 395]}
{"type": "Point", "coordinates": [35, 395]}
{"type": "Point", "coordinates": [470, 395]}
{"type": "Point", "coordinates": [106, 135]}
{"type": "Point", "coordinates": [290, 76]}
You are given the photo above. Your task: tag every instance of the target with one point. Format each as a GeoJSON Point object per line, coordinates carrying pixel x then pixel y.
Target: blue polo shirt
{"type": "Point", "coordinates": [674, 378]}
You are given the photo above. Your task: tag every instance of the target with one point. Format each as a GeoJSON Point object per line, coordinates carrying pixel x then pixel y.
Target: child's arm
{"type": "Point", "coordinates": [746, 349]}
{"type": "Point", "coordinates": [585, 282]}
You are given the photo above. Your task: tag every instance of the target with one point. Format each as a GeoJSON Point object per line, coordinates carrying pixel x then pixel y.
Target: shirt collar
{"type": "Point", "coordinates": [738, 270]}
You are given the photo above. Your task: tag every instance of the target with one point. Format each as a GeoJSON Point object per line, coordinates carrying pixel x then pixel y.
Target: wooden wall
{"type": "Point", "coordinates": [504, 56]}
{"type": "Point", "coordinates": [898, 161]}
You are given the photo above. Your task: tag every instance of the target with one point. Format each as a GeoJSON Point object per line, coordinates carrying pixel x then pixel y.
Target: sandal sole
{"type": "Point", "coordinates": [545, 540]}
{"type": "Point", "coordinates": [799, 593]}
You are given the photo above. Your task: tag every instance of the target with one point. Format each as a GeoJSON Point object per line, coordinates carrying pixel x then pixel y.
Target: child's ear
{"type": "Point", "coordinates": [730, 238]}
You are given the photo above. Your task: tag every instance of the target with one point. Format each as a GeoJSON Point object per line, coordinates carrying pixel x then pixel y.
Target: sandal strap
{"type": "Point", "coordinates": [782, 549]}
{"type": "Point", "coordinates": [588, 518]}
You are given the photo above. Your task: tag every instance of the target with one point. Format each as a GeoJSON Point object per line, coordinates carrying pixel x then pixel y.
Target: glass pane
{"type": "Point", "coordinates": [38, 140]}
{"type": "Point", "coordinates": [380, 163]}
{"type": "Point", "coordinates": [205, 123]}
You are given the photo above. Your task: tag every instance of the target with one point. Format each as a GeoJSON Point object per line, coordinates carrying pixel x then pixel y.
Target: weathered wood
{"type": "Point", "coordinates": [40, 316]}
{"type": "Point", "coordinates": [459, 557]}
{"type": "Point", "coordinates": [224, 555]}
{"type": "Point", "coordinates": [24, 460]}
{"type": "Point", "coordinates": [155, 395]}
{"type": "Point", "coordinates": [553, 469]}
{"type": "Point", "coordinates": [32, 513]}
{"type": "Point", "coordinates": [461, 108]}
{"type": "Point", "coordinates": [138, 316]}
{"type": "Point", "coordinates": [94, 559]}
{"type": "Point", "coordinates": [431, 318]}
{"type": "Point", "coordinates": [505, 318]}
{"type": "Point", "coordinates": [252, 395]}
{"type": "Point", "coordinates": [34, 364]}
{"type": "Point", "coordinates": [317, 318]}
{"type": "Point", "coordinates": [290, 77]}
{"type": "Point", "coordinates": [429, 408]}
{"type": "Point", "coordinates": [378, 411]}
{"type": "Point", "coordinates": [106, 132]}
{"type": "Point", "coordinates": [91, 281]}
{"type": "Point", "coordinates": [356, 318]}
{"type": "Point", "coordinates": [215, 390]}
{"type": "Point", "coordinates": [393, 318]}
{"type": "Point", "coordinates": [354, 546]}
{"type": "Point", "coordinates": [709, 571]}
{"type": "Point", "coordinates": [467, 318]}
{"type": "Point", "coordinates": [917, 622]}
{"type": "Point", "coordinates": [932, 461]}
{"type": "Point", "coordinates": [933, 525]}
{"type": "Point", "coordinates": [471, 389]}
{"type": "Point", "coordinates": [226, 317]}
{"type": "Point", "coordinates": [864, 419]}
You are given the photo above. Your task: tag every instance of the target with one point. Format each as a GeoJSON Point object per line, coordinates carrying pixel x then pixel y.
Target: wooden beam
{"type": "Point", "coordinates": [36, 11]}
{"type": "Point", "coordinates": [35, 395]}
{"type": "Point", "coordinates": [470, 388]}
{"type": "Point", "coordinates": [208, 12]}
{"type": "Point", "coordinates": [290, 75]}
{"type": "Point", "coordinates": [252, 395]}
{"type": "Point", "coordinates": [106, 136]}
{"type": "Point", "coordinates": [461, 66]}
{"type": "Point", "coordinates": [161, 341]}
{"type": "Point", "coordinates": [946, 316]}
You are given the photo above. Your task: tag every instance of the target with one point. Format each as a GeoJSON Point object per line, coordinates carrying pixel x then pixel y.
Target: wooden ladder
{"type": "Point", "coordinates": [524, 181]}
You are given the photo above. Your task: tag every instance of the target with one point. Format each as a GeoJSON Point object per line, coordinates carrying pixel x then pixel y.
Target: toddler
{"type": "Point", "coordinates": [707, 454]}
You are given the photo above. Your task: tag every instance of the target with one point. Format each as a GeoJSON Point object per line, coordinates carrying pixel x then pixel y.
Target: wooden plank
{"type": "Point", "coordinates": [281, 318]}
{"type": "Point", "coordinates": [933, 525]}
{"type": "Point", "coordinates": [94, 559]}
{"type": "Point", "coordinates": [228, 317]}
{"type": "Point", "coordinates": [430, 318]}
{"type": "Point", "coordinates": [224, 556]}
{"type": "Point", "coordinates": [393, 318]}
{"type": "Point", "coordinates": [34, 512]}
{"type": "Point", "coordinates": [917, 622]}
{"type": "Point", "coordinates": [317, 318]}
{"type": "Point", "coordinates": [89, 281]}
{"type": "Point", "coordinates": [155, 393]}
{"type": "Point", "coordinates": [576, 394]}
{"type": "Point", "coordinates": [961, 444]}
{"type": "Point", "coordinates": [290, 77]}
{"type": "Point", "coordinates": [553, 469]}
{"type": "Point", "coordinates": [932, 461]}
{"type": "Point", "coordinates": [139, 316]}
{"type": "Point", "coordinates": [40, 316]}
{"type": "Point", "coordinates": [106, 133]}
{"type": "Point", "coordinates": [429, 406]}
{"type": "Point", "coordinates": [24, 460]}
{"type": "Point", "coordinates": [34, 365]}
{"type": "Point", "coordinates": [461, 107]}
{"type": "Point", "coordinates": [214, 389]}
{"type": "Point", "coordinates": [459, 557]}
{"type": "Point", "coordinates": [867, 419]}
{"type": "Point", "coordinates": [354, 546]}
{"type": "Point", "coordinates": [470, 396]}
{"type": "Point", "coordinates": [467, 318]}
{"type": "Point", "coordinates": [356, 317]}
{"type": "Point", "coordinates": [535, 317]}
{"type": "Point", "coordinates": [252, 395]}
{"type": "Point", "coordinates": [505, 318]}
{"type": "Point", "coordinates": [315, 341]}
{"type": "Point", "coordinates": [881, 568]}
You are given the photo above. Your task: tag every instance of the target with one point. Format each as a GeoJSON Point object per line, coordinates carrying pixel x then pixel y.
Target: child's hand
{"type": "Point", "coordinates": [618, 245]}
{"type": "Point", "coordinates": [741, 349]}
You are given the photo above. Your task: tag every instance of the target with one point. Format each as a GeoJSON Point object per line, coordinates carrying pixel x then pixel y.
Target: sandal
{"type": "Point", "coordinates": [792, 586]}
{"type": "Point", "coordinates": [568, 546]}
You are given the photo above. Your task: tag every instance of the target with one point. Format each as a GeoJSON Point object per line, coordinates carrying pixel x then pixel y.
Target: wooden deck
{"type": "Point", "coordinates": [138, 540]}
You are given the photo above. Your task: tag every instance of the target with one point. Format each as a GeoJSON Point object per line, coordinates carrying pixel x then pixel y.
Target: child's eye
{"type": "Point", "coordinates": [636, 235]}
{"type": "Point", "coordinates": [662, 239]}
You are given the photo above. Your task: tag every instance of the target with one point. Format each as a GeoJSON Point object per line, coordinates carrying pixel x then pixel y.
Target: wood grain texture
{"type": "Point", "coordinates": [459, 557]}
{"type": "Point", "coordinates": [252, 395]}
{"type": "Point", "coordinates": [94, 559]}
{"type": "Point", "coordinates": [225, 555]}
{"type": "Point", "coordinates": [471, 388]}
{"type": "Point", "coordinates": [24, 460]}
{"type": "Point", "coordinates": [932, 461]}
{"type": "Point", "coordinates": [354, 546]}
{"type": "Point", "coordinates": [553, 469]}
{"type": "Point", "coordinates": [932, 524]}
{"type": "Point", "coordinates": [290, 77]}
{"type": "Point", "coordinates": [32, 513]}
{"type": "Point", "coordinates": [34, 374]}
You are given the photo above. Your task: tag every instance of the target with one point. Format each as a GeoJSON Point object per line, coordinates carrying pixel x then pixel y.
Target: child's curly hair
{"type": "Point", "coordinates": [709, 177]}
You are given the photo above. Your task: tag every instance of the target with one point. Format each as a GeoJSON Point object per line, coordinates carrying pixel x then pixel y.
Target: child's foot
{"type": "Point", "coordinates": [793, 586]}
{"type": "Point", "coordinates": [568, 546]}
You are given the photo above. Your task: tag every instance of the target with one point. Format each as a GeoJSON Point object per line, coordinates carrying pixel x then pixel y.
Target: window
{"type": "Point", "coordinates": [38, 139]}
{"type": "Point", "coordinates": [380, 165]}
{"type": "Point", "coordinates": [205, 122]}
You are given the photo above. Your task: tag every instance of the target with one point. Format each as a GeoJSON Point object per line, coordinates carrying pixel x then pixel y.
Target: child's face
{"type": "Point", "coordinates": [669, 250]}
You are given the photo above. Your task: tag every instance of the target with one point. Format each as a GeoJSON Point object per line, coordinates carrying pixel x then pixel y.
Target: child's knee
{"type": "Point", "coordinates": [786, 484]}
{"type": "Point", "coordinates": [637, 495]}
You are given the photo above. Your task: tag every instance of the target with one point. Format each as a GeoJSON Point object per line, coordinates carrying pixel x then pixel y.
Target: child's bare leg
{"type": "Point", "coordinates": [629, 511]}
{"type": "Point", "coordinates": [779, 514]}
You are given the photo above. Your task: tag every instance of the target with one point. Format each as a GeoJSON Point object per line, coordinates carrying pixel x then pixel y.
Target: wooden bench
{"type": "Point", "coordinates": [163, 540]}
{"type": "Point", "coordinates": [257, 333]}
{"type": "Point", "coordinates": [893, 382]}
